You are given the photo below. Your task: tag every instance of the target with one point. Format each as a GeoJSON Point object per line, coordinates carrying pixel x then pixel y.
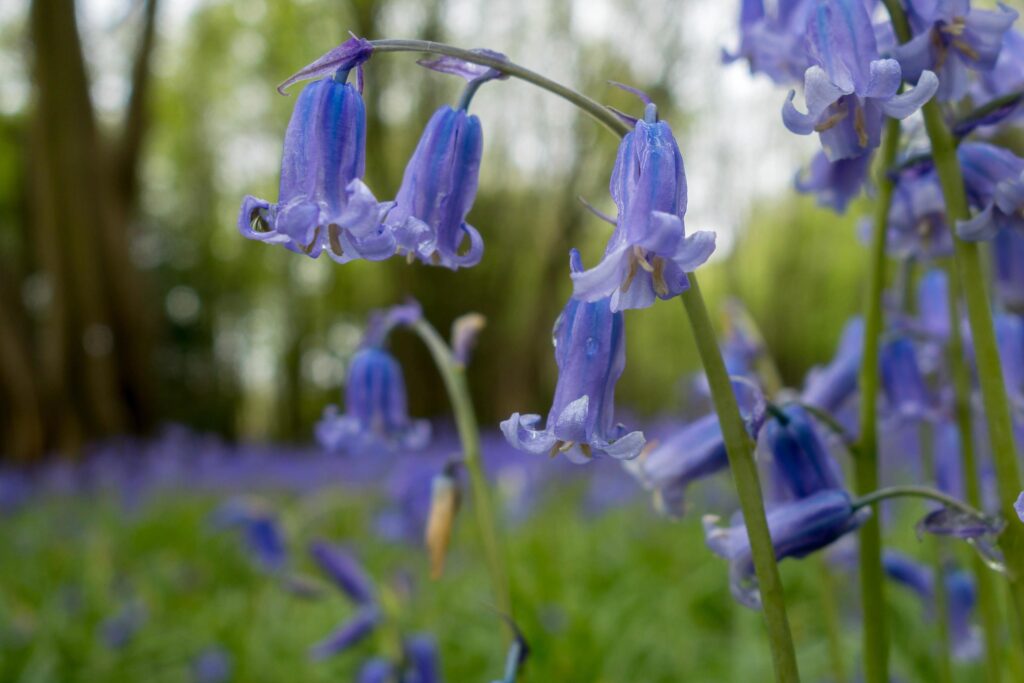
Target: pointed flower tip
{"type": "Point", "coordinates": [471, 71]}
{"type": "Point", "coordinates": [354, 52]}
{"type": "Point", "coordinates": [640, 94]}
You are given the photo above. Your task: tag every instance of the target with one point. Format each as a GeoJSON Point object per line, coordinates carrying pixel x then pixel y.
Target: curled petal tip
{"type": "Point", "coordinates": [471, 71]}
{"type": "Point", "coordinates": [350, 54]}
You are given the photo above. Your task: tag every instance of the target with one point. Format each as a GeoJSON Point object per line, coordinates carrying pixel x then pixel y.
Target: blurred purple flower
{"type": "Point", "coordinates": [907, 396]}
{"type": "Point", "coordinates": [951, 38]}
{"type": "Point", "coordinates": [693, 451]}
{"type": "Point", "coordinates": [648, 254]}
{"type": "Point", "coordinates": [797, 529]}
{"type": "Point", "coordinates": [850, 89]}
{"type": "Point", "coordinates": [422, 665]}
{"type": "Point", "coordinates": [348, 634]}
{"type": "Point", "coordinates": [212, 665]}
{"type": "Point", "coordinates": [264, 540]}
{"type": "Point", "coordinates": [375, 414]}
{"type": "Point", "coordinates": [382, 321]}
{"type": "Point", "coordinates": [834, 184]}
{"type": "Point", "coordinates": [1019, 506]}
{"type": "Point", "coordinates": [774, 43]}
{"type": "Point", "coordinates": [994, 178]}
{"type": "Point", "coordinates": [344, 571]}
{"type": "Point", "coordinates": [920, 579]}
{"type": "Point", "coordinates": [590, 351]}
{"type": "Point", "coordinates": [119, 629]}
{"type": "Point", "coordinates": [376, 670]}
{"type": "Point", "coordinates": [917, 217]}
{"type": "Point", "coordinates": [1008, 268]}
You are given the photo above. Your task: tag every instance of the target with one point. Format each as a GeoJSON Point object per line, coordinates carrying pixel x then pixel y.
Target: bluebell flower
{"type": "Point", "coordinates": [917, 224]}
{"type": "Point", "coordinates": [800, 457]}
{"type": "Point", "coordinates": [375, 408]}
{"type": "Point", "coordinates": [834, 184]}
{"type": "Point", "coordinates": [590, 352]}
{"type": "Point", "coordinates": [951, 38]}
{"type": "Point", "coordinates": [323, 202]}
{"type": "Point", "coordinates": [694, 451]}
{"type": "Point", "coordinates": [774, 42]}
{"type": "Point", "coordinates": [212, 665]}
{"type": "Point", "coordinates": [1007, 76]}
{"type": "Point", "coordinates": [932, 320]}
{"type": "Point", "coordinates": [261, 532]}
{"type": "Point", "coordinates": [919, 579]}
{"type": "Point", "coordinates": [344, 571]}
{"type": "Point", "coordinates": [118, 630]}
{"type": "Point", "coordinates": [1008, 268]}
{"type": "Point", "coordinates": [438, 189]}
{"type": "Point", "coordinates": [994, 178]}
{"type": "Point", "coordinates": [850, 89]}
{"type": "Point", "coordinates": [348, 634]}
{"type": "Point", "coordinates": [376, 670]}
{"type": "Point", "coordinates": [829, 387]}
{"type": "Point", "coordinates": [907, 396]}
{"type": "Point", "coordinates": [797, 528]}
{"type": "Point", "coordinates": [648, 254]}
{"type": "Point", "coordinates": [422, 665]}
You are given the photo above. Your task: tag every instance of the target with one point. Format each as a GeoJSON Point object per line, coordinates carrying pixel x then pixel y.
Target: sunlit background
{"type": "Point", "coordinates": [250, 342]}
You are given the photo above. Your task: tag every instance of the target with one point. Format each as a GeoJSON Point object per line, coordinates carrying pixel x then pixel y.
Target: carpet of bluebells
{"type": "Point", "coordinates": [187, 559]}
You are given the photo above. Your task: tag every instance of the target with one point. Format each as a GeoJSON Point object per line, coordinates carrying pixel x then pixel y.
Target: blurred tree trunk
{"type": "Point", "coordinates": [93, 338]}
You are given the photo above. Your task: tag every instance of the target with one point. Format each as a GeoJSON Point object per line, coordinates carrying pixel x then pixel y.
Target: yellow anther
{"type": "Point", "coordinates": [860, 126]}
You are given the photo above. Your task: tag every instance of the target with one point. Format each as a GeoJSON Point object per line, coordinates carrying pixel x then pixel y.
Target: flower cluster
{"type": "Point", "coordinates": [323, 203]}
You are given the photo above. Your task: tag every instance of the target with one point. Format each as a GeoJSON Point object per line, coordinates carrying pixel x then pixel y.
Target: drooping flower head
{"type": "Point", "coordinates": [951, 38]}
{"type": "Point", "coordinates": [960, 593]}
{"type": "Point", "coordinates": [774, 42]}
{"type": "Point", "coordinates": [850, 89]}
{"type": "Point", "coordinates": [693, 451]}
{"type": "Point", "coordinates": [917, 216]}
{"type": "Point", "coordinates": [590, 352]}
{"type": "Point", "coordinates": [907, 396]}
{"type": "Point", "coordinates": [834, 184]}
{"type": "Point", "coordinates": [376, 414]}
{"type": "Point", "coordinates": [994, 178]}
{"type": "Point", "coordinates": [800, 457]}
{"type": "Point", "coordinates": [323, 202]}
{"type": "Point", "coordinates": [648, 254]}
{"type": "Point", "coordinates": [797, 529]}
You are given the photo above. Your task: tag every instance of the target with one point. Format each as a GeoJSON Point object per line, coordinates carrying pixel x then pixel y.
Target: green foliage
{"type": "Point", "coordinates": [616, 598]}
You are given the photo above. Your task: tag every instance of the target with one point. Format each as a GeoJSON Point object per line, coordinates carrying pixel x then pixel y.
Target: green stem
{"type": "Point", "coordinates": [988, 608]}
{"type": "Point", "coordinates": [925, 492]}
{"type": "Point", "coordinates": [927, 440]}
{"type": "Point", "coordinates": [595, 109]}
{"type": "Point", "coordinates": [872, 576]}
{"type": "Point", "coordinates": [979, 316]}
{"type": "Point", "coordinates": [454, 377]}
{"type": "Point", "coordinates": [739, 448]}
{"type": "Point", "coordinates": [833, 627]}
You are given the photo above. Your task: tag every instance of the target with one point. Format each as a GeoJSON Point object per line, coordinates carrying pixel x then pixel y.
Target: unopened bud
{"type": "Point", "coordinates": [444, 505]}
